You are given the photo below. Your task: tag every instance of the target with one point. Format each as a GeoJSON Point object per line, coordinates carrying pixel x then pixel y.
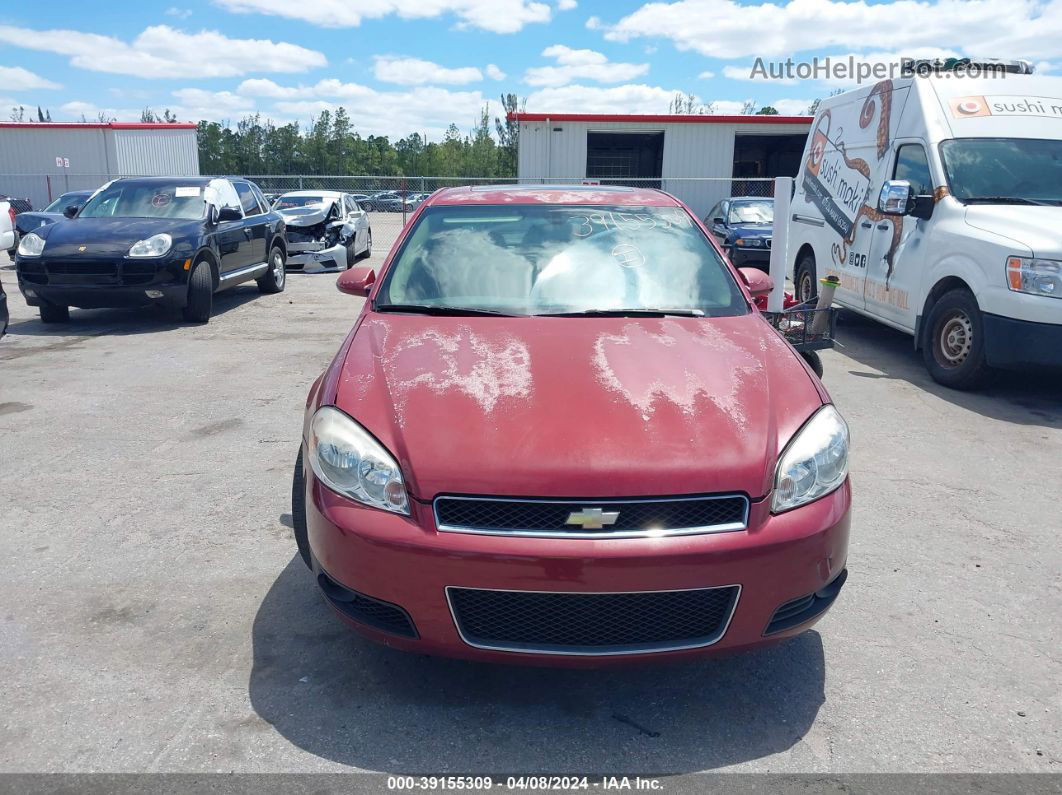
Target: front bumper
{"type": "Point", "coordinates": [103, 283]}
{"type": "Point", "coordinates": [312, 254]}
{"type": "Point", "coordinates": [750, 256]}
{"type": "Point", "coordinates": [1011, 343]}
{"type": "Point", "coordinates": [404, 563]}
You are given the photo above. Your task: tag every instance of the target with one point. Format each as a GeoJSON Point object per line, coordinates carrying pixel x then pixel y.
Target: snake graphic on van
{"type": "Point", "coordinates": [839, 184]}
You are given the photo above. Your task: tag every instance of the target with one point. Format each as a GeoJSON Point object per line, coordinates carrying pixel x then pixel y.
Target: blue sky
{"type": "Point", "coordinates": [401, 66]}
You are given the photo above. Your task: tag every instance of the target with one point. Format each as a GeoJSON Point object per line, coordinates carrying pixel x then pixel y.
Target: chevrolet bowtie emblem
{"type": "Point", "coordinates": [592, 518]}
{"type": "Point", "coordinates": [81, 248]}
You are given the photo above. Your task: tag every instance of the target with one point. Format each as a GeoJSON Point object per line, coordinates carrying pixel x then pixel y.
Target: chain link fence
{"type": "Point", "coordinates": [390, 200]}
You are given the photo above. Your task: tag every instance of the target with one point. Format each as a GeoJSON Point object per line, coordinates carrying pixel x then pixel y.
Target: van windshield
{"type": "Point", "coordinates": [1004, 170]}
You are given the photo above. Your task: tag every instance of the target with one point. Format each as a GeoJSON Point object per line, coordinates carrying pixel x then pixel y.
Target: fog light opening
{"type": "Point", "coordinates": [153, 293]}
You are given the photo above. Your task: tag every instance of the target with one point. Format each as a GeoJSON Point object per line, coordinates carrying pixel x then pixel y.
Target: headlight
{"type": "Point", "coordinates": [154, 246]}
{"type": "Point", "coordinates": [31, 245]}
{"type": "Point", "coordinates": [814, 463]}
{"type": "Point", "coordinates": [1036, 276]}
{"type": "Point", "coordinates": [746, 242]}
{"type": "Point", "coordinates": [346, 458]}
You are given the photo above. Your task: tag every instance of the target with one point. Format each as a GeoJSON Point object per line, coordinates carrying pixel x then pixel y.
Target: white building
{"type": "Point", "coordinates": [700, 159]}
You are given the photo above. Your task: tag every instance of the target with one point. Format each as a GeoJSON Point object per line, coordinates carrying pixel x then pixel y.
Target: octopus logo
{"type": "Point", "coordinates": [967, 107]}
{"type": "Point", "coordinates": [818, 151]}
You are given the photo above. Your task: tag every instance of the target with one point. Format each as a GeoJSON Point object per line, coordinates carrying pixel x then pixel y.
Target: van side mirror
{"type": "Point", "coordinates": [357, 281]}
{"type": "Point", "coordinates": [229, 214]}
{"type": "Point", "coordinates": [70, 210]}
{"type": "Point", "coordinates": [896, 197]}
{"type": "Point", "coordinates": [758, 282]}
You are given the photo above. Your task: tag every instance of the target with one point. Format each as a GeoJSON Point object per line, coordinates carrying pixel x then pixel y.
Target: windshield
{"type": "Point", "coordinates": [140, 200]}
{"type": "Point", "coordinates": [64, 201]}
{"type": "Point", "coordinates": [286, 202]}
{"type": "Point", "coordinates": [758, 212]}
{"type": "Point", "coordinates": [1000, 168]}
{"type": "Point", "coordinates": [549, 259]}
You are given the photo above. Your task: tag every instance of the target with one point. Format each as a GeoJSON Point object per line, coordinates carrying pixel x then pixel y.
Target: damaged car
{"type": "Point", "coordinates": [324, 227]}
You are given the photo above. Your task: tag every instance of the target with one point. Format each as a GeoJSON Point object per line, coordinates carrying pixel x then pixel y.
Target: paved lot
{"type": "Point", "coordinates": [154, 616]}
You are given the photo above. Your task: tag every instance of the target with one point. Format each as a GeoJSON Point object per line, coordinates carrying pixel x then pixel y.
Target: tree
{"type": "Point", "coordinates": [508, 131]}
{"type": "Point", "coordinates": [748, 107]}
{"type": "Point", "coordinates": [767, 110]}
{"type": "Point", "coordinates": [147, 116]}
{"type": "Point", "coordinates": [18, 113]}
{"type": "Point", "coordinates": [169, 116]}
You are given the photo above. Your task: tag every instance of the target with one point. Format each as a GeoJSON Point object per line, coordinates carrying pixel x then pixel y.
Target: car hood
{"type": "Point", "coordinates": [751, 230]}
{"type": "Point", "coordinates": [108, 237]}
{"type": "Point", "coordinates": [1035, 228]}
{"type": "Point", "coordinates": [305, 216]}
{"type": "Point", "coordinates": [577, 407]}
{"type": "Point", "coordinates": [27, 222]}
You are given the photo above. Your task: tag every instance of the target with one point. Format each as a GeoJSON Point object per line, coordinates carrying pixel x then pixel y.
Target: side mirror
{"type": "Point", "coordinates": [357, 281]}
{"type": "Point", "coordinates": [896, 197]}
{"type": "Point", "coordinates": [229, 214]}
{"type": "Point", "coordinates": [758, 282]}
{"type": "Point", "coordinates": [718, 221]}
{"type": "Point", "coordinates": [70, 210]}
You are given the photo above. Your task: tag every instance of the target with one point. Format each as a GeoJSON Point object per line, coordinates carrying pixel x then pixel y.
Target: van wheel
{"type": "Point", "coordinates": [200, 294]}
{"type": "Point", "coordinates": [954, 349]}
{"type": "Point", "coordinates": [273, 281]}
{"type": "Point", "coordinates": [298, 511]}
{"type": "Point", "coordinates": [805, 279]}
{"type": "Point", "coordinates": [54, 313]}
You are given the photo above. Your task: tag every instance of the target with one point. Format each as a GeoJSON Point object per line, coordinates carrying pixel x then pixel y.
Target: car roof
{"type": "Point", "coordinates": [552, 194]}
{"type": "Point", "coordinates": [751, 199]}
{"type": "Point", "coordinates": [332, 194]}
{"type": "Point", "coordinates": [165, 180]}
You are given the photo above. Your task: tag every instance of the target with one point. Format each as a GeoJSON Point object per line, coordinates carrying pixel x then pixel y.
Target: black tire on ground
{"type": "Point", "coordinates": [298, 511]}
{"type": "Point", "coordinates": [351, 256]}
{"type": "Point", "coordinates": [54, 313]}
{"type": "Point", "coordinates": [368, 246]}
{"type": "Point", "coordinates": [814, 361]}
{"type": "Point", "coordinates": [954, 344]}
{"type": "Point", "coordinates": [200, 294]}
{"type": "Point", "coordinates": [274, 279]}
{"type": "Point", "coordinates": [805, 285]}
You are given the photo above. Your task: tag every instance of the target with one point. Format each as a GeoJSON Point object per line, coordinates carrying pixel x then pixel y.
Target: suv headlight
{"type": "Point", "coordinates": [349, 461]}
{"type": "Point", "coordinates": [154, 246]}
{"type": "Point", "coordinates": [1036, 276]}
{"type": "Point", "coordinates": [31, 245]}
{"type": "Point", "coordinates": [814, 463]}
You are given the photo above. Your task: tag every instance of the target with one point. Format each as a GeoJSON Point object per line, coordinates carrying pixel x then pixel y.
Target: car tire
{"type": "Point", "coordinates": [805, 284]}
{"type": "Point", "coordinates": [200, 294]}
{"type": "Point", "coordinates": [351, 256]}
{"type": "Point", "coordinates": [814, 361]}
{"type": "Point", "coordinates": [368, 245]}
{"type": "Point", "coordinates": [54, 313]}
{"type": "Point", "coordinates": [275, 278]}
{"type": "Point", "coordinates": [298, 511]}
{"type": "Point", "coordinates": [954, 344]}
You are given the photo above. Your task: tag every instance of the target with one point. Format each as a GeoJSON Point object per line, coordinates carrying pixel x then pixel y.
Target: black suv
{"type": "Point", "coordinates": [138, 241]}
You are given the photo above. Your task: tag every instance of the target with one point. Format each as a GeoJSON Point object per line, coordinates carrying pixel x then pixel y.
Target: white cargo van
{"type": "Point", "coordinates": [938, 203]}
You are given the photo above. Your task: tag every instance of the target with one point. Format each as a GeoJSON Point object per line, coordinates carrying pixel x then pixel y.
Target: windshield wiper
{"type": "Point", "coordinates": [423, 309]}
{"type": "Point", "coordinates": [627, 313]}
{"type": "Point", "coordinates": [1011, 200]}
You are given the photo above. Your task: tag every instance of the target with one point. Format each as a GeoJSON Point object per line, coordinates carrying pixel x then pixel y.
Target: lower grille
{"type": "Point", "coordinates": [374, 613]}
{"type": "Point", "coordinates": [88, 273]}
{"type": "Point", "coordinates": [591, 518]}
{"type": "Point", "coordinates": [592, 623]}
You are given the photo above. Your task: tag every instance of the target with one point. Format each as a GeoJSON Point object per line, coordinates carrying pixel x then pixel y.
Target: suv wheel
{"type": "Point", "coordinates": [805, 279]}
{"type": "Point", "coordinates": [54, 313]}
{"type": "Point", "coordinates": [274, 279]}
{"type": "Point", "coordinates": [200, 294]}
{"type": "Point", "coordinates": [954, 346]}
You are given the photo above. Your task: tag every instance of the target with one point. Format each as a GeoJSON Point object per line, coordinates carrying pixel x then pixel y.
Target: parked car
{"type": "Point", "coordinates": [171, 241]}
{"type": "Point", "coordinates": [324, 226]}
{"type": "Point", "coordinates": [4, 315]}
{"type": "Point", "coordinates": [560, 432]}
{"type": "Point", "coordinates": [375, 201]}
{"type": "Point", "coordinates": [8, 226]}
{"type": "Point", "coordinates": [937, 202]}
{"type": "Point", "coordinates": [28, 221]}
{"type": "Point", "coordinates": [743, 226]}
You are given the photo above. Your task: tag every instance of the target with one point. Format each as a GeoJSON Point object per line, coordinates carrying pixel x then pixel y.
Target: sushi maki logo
{"type": "Point", "coordinates": [967, 107]}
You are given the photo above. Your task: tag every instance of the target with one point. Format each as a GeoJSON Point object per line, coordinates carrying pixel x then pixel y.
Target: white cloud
{"type": "Point", "coordinates": [497, 16]}
{"type": "Point", "coordinates": [494, 73]}
{"type": "Point", "coordinates": [574, 65]}
{"type": "Point", "coordinates": [15, 78]}
{"type": "Point", "coordinates": [706, 75]}
{"type": "Point", "coordinates": [593, 23]}
{"type": "Point", "coordinates": [415, 72]}
{"type": "Point", "coordinates": [163, 52]}
{"type": "Point", "coordinates": [728, 29]}
{"type": "Point", "coordinates": [631, 98]}
{"type": "Point", "coordinates": [566, 5]}
{"type": "Point", "coordinates": [180, 13]}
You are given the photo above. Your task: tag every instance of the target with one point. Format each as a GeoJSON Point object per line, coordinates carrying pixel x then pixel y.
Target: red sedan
{"type": "Point", "coordinates": [560, 432]}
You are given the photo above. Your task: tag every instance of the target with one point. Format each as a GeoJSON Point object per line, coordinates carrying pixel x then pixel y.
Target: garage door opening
{"type": "Point", "coordinates": [765, 156]}
{"type": "Point", "coordinates": [614, 157]}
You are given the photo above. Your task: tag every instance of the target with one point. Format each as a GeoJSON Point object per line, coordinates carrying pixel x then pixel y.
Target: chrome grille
{"type": "Point", "coordinates": [613, 518]}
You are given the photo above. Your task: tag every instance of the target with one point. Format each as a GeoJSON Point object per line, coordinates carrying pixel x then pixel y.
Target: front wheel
{"type": "Point", "coordinates": [805, 279]}
{"type": "Point", "coordinates": [954, 346]}
{"type": "Point", "coordinates": [54, 313]}
{"type": "Point", "coordinates": [274, 278]}
{"type": "Point", "coordinates": [200, 294]}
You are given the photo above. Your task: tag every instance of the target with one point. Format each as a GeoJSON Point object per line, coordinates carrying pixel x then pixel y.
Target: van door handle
{"type": "Point", "coordinates": [866, 224]}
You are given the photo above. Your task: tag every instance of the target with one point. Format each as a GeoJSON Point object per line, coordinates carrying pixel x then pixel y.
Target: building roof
{"type": "Point", "coordinates": [113, 125]}
{"type": "Point", "coordinates": [674, 118]}
{"type": "Point", "coordinates": [575, 194]}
